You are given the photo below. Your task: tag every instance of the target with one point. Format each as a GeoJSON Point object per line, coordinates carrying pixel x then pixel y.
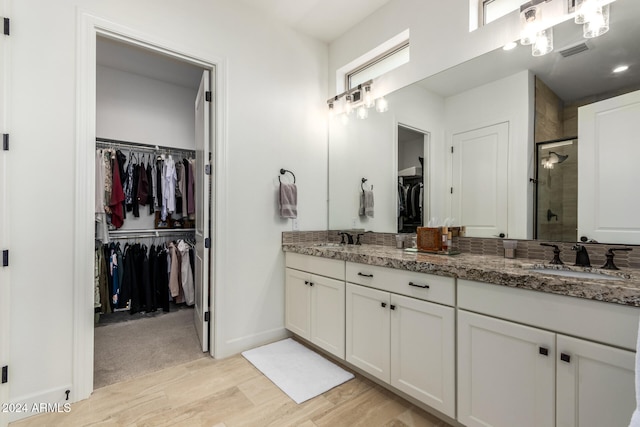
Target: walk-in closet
{"type": "Point", "coordinates": [152, 192]}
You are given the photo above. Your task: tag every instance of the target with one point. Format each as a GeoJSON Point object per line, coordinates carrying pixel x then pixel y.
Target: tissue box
{"type": "Point", "coordinates": [429, 239]}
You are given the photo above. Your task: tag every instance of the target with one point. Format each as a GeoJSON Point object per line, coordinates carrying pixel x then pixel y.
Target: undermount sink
{"type": "Point", "coordinates": [328, 245]}
{"type": "Point", "coordinates": [575, 274]}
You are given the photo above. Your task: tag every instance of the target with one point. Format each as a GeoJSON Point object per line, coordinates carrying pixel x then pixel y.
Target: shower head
{"type": "Point", "coordinates": [552, 159]}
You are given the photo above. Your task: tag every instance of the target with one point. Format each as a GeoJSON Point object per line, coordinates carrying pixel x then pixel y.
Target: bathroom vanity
{"type": "Point", "coordinates": [482, 340]}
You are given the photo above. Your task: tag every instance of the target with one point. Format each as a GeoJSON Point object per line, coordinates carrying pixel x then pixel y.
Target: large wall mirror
{"type": "Point", "coordinates": [502, 141]}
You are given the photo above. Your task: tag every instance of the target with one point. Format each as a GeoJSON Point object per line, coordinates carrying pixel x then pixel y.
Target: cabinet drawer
{"type": "Point", "coordinates": [608, 323]}
{"type": "Point", "coordinates": [427, 287]}
{"type": "Point", "coordinates": [317, 265]}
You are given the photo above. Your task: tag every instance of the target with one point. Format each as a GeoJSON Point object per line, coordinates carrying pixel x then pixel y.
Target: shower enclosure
{"type": "Point", "coordinates": [556, 214]}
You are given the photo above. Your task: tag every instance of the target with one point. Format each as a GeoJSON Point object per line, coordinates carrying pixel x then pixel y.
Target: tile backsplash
{"type": "Point", "coordinates": [527, 249]}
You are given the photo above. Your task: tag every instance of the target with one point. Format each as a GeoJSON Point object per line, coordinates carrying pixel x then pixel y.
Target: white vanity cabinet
{"type": "Point", "coordinates": [315, 301]}
{"type": "Point", "coordinates": [396, 334]}
{"type": "Point", "coordinates": [527, 367]}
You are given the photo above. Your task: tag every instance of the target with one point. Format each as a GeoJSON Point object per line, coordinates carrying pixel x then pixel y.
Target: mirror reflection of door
{"type": "Point", "coordinates": [412, 194]}
{"type": "Point", "coordinates": [557, 190]}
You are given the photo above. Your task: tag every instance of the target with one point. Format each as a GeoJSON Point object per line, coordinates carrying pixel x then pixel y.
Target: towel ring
{"type": "Point", "coordinates": [283, 171]}
{"type": "Point", "coordinates": [362, 184]}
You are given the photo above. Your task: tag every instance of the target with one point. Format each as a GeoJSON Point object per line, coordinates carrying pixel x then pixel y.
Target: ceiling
{"type": "Point", "coordinates": [325, 20]}
{"type": "Point", "coordinates": [571, 78]}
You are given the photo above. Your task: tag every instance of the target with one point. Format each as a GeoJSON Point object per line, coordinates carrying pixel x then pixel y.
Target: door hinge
{"type": "Point", "coordinates": [207, 315]}
{"type": "Point", "coordinates": [7, 26]}
{"type": "Point", "coordinates": [451, 190]}
{"type": "Point", "coordinates": [207, 169]}
{"type": "Point", "coordinates": [5, 374]}
{"type": "Point", "coordinates": [207, 96]}
{"type": "Point", "coordinates": [207, 242]}
{"type": "Point", "coordinates": [5, 141]}
{"type": "Point", "coordinates": [452, 149]}
{"type": "Point", "coordinates": [5, 258]}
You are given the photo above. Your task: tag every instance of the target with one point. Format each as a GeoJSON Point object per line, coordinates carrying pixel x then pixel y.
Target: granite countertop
{"type": "Point", "coordinates": [497, 270]}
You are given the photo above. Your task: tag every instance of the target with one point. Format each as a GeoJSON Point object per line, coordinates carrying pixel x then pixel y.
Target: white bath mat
{"type": "Point", "coordinates": [298, 371]}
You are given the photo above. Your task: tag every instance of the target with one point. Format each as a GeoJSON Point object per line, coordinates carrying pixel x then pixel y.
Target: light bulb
{"type": "Point", "coordinates": [368, 97]}
{"type": "Point", "coordinates": [348, 107]}
{"type": "Point", "coordinates": [530, 22]}
{"type": "Point", "coordinates": [382, 105]}
{"type": "Point", "coordinates": [598, 22]}
{"type": "Point", "coordinates": [362, 112]}
{"type": "Point", "coordinates": [584, 10]}
{"type": "Point", "coordinates": [543, 43]}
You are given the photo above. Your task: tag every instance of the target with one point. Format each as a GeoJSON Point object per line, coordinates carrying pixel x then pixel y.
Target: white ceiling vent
{"type": "Point", "coordinates": [573, 50]}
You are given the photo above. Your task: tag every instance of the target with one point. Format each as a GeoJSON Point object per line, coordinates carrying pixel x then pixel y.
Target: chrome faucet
{"type": "Point", "coordinates": [582, 257]}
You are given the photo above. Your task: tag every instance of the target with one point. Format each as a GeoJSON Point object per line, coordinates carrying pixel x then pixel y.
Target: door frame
{"type": "Point", "coordinates": [89, 27]}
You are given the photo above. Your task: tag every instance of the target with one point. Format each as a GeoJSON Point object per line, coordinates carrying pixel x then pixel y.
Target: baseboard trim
{"type": "Point", "coordinates": [235, 346]}
{"type": "Point", "coordinates": [52, 400]}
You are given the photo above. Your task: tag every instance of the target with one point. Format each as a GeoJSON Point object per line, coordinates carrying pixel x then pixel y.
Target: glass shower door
{"type": "Point", "coordinates": [557, 190]}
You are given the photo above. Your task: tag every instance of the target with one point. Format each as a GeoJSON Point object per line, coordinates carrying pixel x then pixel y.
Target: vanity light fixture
{"type": "Point", "coordinates": [594, 17]}
{"type": "Point", "coordinates": [360, 99]}
{"type": "Point", "coordinates": [348, 105]}
{"type": "Point", "coordinates": [597, 23]}
{"type": "Point", "coordinates": [621, 69]}
{"type": "Point", "coordinates": [362, 112]}
{"type": "Point", "coordinates": [533, 31]}
{"type": "Point", "coordinates": [382, 105]}
{"type": "Point", "coordinates": [543, 43]}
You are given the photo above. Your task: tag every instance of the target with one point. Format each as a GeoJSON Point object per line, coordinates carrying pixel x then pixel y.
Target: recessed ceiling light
{"type": "Point", "coordinates": [621, 68]}
{"type": "Point", "coordinates": [510, 46]}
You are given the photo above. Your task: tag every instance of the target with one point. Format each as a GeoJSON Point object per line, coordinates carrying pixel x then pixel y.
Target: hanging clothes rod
{"type": "Point", "coordinates": [145, 234]}
{"type": "Point", "coordinates": [105, 142]}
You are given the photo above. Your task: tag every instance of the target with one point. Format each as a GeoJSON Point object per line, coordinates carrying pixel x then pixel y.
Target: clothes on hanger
{"type": "Point", "coordinates": [133, 180]}
{"type": "Point", "coordinates": [141, 279]}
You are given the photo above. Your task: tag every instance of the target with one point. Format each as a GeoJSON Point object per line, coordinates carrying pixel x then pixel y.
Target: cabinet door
{"type": "Point", "coordinates": [422, 352]}
{"type": "Point", "coordinates": [368, 328]}
{"type": "Point", "coordinates": [505, 379]}
{"type": "Point", "coordinates": [327, 314]}
{"type": "Point", "coordinates": [297, 302]}
{"type": "Point", "coordinates": [595, 384]}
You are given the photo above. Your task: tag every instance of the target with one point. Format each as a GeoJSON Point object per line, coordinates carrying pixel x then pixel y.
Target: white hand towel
{"type": "Point", "coordinates": [366, 203]}
{"type": "Point", "coordinates": [635, 418]}
{"type": "Point", "coordinates": [288, 201]}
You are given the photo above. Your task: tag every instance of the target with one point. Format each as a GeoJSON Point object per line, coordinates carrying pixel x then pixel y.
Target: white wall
{"type": "Point", "coordinates": [440, 39]}
{"type": "Point", "coordinates": [134, 108]}
{"type": "Point", "coordinates": [274, 117]}
{"type": "Point", "coordinates": [506, 100]}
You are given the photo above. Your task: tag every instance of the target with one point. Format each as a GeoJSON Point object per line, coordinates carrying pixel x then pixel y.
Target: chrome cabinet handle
{"type": "Point", "coordinates": [415, 285]}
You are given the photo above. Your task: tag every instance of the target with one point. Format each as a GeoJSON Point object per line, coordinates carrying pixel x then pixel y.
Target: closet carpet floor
{"type": "Point", "coordinates": [232, 392]}
{"type": "Point", "coordinates": [125, 350]}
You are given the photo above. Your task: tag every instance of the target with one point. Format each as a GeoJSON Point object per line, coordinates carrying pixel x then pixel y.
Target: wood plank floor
{"type": "Point", "coordinates": [232, 392]}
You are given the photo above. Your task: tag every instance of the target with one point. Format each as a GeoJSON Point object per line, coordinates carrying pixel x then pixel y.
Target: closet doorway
{"type": "Point", "coordinates": [412, 188]}
{"type": "Point", "coordinates": [152, 246]}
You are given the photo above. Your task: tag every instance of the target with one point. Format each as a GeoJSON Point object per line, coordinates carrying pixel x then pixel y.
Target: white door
{"type": "Point", "coordinates": [608, 172]}
{"type": "Point", "coordinates": [4, 227]}
{"type": "Point", "coordinates": [201, 315]}
{"type": "Point", "coordinates": [506, 373]}
{"type": "Point", "coordinates": [327, 314]}
{"type": "Point", "coordinates": [595, 384]}
{"type": "Point", "coordinates": [368, 330]}
{"type": "Point", "coordinates": [423, 352]}
{"type": "Point", "coordinates": [297, 293]}
{"type": "Point", "coordinates": [479, 180]}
